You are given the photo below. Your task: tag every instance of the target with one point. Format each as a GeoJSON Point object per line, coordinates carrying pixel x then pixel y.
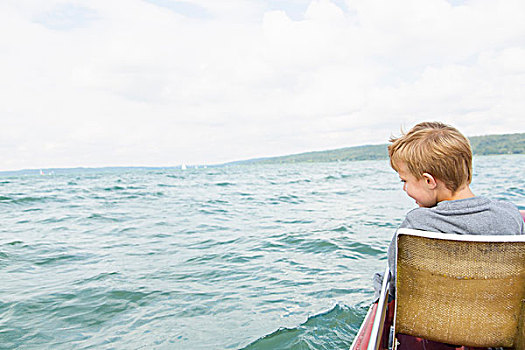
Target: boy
{"type": "Point", "coordinates": [434, 162]}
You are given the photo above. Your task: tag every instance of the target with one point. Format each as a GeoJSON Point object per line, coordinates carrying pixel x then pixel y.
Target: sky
{"type": "Point", "coordinates": [164, 82]}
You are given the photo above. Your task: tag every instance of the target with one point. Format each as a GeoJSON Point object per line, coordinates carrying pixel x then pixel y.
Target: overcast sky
{"type": "Point", "coordinates": [165, 82]}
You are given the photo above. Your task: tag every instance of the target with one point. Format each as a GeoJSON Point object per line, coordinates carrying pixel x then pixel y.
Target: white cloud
{"type": "Point", "coordinates": [161, 82]}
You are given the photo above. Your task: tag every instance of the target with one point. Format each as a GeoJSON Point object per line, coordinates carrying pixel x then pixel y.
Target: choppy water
{"type": "Point", "coordinates": [254, 257]}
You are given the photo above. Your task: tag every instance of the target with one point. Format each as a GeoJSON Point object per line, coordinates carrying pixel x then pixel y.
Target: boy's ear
{"type": "Point", "coordinates": [430, 181]}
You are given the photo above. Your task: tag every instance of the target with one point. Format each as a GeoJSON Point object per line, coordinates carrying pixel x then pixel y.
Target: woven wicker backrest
{"type": "Point", "coordinates": [462, 290]}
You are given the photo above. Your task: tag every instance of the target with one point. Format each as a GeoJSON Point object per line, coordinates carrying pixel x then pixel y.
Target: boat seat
{"type": "Point", "coordinates": [461, 289]}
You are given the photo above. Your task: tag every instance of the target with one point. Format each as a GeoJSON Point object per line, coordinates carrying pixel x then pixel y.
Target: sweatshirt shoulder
{"type": "Point", "coordinates": [416, 217]}
{"type": "Point", "coordinates": [506, 205]}
{"type": "Point", "coordinates": [478, 215]}
{"type": "Point", "coordinates": [512, 211]}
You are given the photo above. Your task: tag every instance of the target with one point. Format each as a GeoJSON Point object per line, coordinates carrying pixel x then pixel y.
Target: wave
{"type": "Point", "coordinates": [223, 184]}
{"type": "Point", "coordinates": [80, 309]}
{"type": "Point", "coordinates": [333, 329]}
{"type": "Point", "coordinates": [292, 199]}
{"type": "Point", "coordinates": [103, 218]}
{"type": "Point", "coordinates": [60, 259]}
{"type": "Point", "coordinates": [114, 188]}
{"type": "Point", "coordinates": [29, 200]}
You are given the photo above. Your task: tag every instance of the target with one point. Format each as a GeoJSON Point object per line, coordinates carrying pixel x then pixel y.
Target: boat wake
{"type": "Point", "coordinates": [334, 329]}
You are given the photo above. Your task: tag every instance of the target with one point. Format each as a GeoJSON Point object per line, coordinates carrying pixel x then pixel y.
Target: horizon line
{"type": "Point", "coordinates": [209, 164]}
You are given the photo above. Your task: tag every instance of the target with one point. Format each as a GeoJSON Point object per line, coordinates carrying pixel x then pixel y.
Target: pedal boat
{"type": "Point", "coordinates": [450, 289]}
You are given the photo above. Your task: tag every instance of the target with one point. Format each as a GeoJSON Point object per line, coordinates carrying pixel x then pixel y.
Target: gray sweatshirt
{"type": "Point", "coordinates": [475, 216]}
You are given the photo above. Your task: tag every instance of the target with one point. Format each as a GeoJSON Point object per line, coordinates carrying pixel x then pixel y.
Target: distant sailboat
{"type": "Point", "coordinates": [183, 167]}
{"type": "Point", "coordinates": [41, 172]}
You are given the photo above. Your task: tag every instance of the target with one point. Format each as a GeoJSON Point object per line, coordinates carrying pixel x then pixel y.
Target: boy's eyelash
{"type": "Point", "coordinates": [403, 181]}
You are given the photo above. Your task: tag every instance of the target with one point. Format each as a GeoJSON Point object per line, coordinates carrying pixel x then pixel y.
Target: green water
{"type": "Point", "coordinates": [255, 257]}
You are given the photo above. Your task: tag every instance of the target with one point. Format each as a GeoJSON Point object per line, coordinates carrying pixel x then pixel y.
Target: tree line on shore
{"type": "Point", "coordinates": [481, 145]}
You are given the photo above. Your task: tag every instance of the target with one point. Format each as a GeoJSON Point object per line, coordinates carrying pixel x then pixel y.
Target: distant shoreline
{"type": "Point", "coordinates": [481, 145]}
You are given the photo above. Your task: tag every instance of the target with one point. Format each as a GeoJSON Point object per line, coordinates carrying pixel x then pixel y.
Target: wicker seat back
{"type": "Point", "coordinates": [462, 290]}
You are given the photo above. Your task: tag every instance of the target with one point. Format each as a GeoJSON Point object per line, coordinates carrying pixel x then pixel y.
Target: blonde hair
{"type": "Point", "coordinates": [437, 149]}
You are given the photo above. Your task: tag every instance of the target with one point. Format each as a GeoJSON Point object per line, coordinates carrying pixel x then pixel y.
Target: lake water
{"type": "Point", "coordinates": [254, 257]}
